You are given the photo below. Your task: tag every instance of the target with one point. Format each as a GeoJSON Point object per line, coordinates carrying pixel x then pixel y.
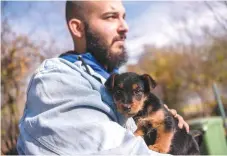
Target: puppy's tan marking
{"type": "Point", "coordinates": [134, 86]}
{"type": "Point", "coordinates": [137, 105]}
{"type": "Point", "coordinates": [163, 140]}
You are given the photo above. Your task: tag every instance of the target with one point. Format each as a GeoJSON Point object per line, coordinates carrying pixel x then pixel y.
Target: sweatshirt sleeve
{"type": "Point", "coordinates": [65, 115]}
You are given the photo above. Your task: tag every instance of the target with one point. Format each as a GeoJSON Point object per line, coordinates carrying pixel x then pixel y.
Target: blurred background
{"type": "Point", "coordinates": [182, 45]}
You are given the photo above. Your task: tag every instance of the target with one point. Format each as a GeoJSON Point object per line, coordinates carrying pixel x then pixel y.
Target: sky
{"type": "Point", "coordinates": [150, 22]}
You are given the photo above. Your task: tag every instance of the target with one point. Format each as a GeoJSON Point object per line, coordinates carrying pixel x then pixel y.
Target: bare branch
{"type": "Point", "coordinates": [217, 16]}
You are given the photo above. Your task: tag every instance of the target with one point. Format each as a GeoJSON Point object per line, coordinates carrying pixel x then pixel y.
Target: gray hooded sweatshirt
{"type": "Point", "coordinates": [69, 112]}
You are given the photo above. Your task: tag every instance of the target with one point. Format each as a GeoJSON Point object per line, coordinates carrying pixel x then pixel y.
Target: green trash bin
{"type": "Point", "coordinates": [214, 139]}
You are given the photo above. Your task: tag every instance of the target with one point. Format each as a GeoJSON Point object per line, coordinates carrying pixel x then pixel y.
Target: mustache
{"type": "Point", "coordinates": [119, 38]}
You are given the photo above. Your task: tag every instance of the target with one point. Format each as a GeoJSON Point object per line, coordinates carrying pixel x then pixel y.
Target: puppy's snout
{"type": "Point", "coordinates": [126, 107]}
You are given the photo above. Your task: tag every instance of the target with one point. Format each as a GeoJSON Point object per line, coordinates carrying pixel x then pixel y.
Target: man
{"type": "Point", "coordinates": [68, 110]}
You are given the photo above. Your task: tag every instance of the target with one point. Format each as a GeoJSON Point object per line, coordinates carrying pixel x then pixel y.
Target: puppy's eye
{"type": "Point", "coordinates": [139, 91]}
{"type": "Point", "coordinates": [118, 93]}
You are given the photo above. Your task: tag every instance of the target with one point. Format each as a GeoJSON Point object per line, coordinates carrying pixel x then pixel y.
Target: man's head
{"type": "Point", "coordinates": [99, 27]}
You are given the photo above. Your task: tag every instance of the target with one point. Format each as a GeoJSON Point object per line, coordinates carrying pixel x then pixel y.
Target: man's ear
{"type": "Point", "coordinates": [149, 82]}
{"type": "Point", "coordinates": [109, 84]}
{"type": "Point", "coordinates": [77, 27]}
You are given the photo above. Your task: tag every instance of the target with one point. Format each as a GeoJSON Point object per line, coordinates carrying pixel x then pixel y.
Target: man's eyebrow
{"type": "Point", "coordinates": [110, 12]}
{"type": "Point", "coordinates": [113, 12]}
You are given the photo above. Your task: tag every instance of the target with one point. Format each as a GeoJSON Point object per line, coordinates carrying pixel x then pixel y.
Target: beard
{"type": "Point", "coordinates": [102, 52]}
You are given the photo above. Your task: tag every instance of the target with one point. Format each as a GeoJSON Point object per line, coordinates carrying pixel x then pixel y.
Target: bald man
{"type": "Point", "coordinates": [68, 110]}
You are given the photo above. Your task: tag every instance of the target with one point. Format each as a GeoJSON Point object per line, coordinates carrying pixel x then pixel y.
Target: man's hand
{"type": "Point", "coordinates": [181, 123]}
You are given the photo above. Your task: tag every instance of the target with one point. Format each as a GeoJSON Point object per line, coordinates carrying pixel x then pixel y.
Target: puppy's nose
{"type": "Point", "coordinates": [126, 107]}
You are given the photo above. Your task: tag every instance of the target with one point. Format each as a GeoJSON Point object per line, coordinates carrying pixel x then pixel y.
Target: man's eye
{"type": "Point", "coordinates": [111, 17]}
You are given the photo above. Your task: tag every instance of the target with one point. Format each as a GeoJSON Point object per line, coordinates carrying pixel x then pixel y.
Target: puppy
{"type": "Point", "coordinates": [133, 98]}
{"type": "Point", "coordinates": [181, 143]}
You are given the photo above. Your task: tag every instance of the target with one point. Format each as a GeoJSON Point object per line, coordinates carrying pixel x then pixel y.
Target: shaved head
{"type": "Point", "coordinates": [75, 9]}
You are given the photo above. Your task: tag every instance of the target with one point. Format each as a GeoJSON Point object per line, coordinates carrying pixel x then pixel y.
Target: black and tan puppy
{"type": "Point", "coordinates": [133, 98]}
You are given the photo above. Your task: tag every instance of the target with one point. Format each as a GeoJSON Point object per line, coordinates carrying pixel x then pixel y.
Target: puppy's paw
{"type": "Point", "coordinates": [157, 148]}
{"type": "Point", "coordinates": [138, 132]}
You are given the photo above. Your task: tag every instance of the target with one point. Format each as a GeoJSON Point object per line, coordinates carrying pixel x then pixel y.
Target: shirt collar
{"type": "Point", "coordinates": [89, 60]}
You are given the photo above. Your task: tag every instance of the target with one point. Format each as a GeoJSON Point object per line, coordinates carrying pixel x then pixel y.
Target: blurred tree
{"type": "Point", "coordinates": [186, 69]}
{"type": "Point", "coordinates": [181, 71]}
{"type": "Point", "coordinates": [220, 18]}
{"type": "Point", "coordinates": [18, 56]}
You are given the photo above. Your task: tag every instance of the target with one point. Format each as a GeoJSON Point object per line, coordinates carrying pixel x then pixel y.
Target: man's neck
{"type": "Point", "coordinates": [82, 51]}
{"type": "Point", "coordinates": [79, 49]}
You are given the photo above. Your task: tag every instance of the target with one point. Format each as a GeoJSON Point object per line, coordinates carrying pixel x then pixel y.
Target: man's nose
{"type": "Point", "coordinates": [123, 26]}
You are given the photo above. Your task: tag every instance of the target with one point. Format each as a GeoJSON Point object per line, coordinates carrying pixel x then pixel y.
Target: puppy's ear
{"type": "Point", "coordinates": [149, 82]}
{"type": "Point", "coordinates": [109, 84]}
{"type": "Point", "coordinates": [198, 135]}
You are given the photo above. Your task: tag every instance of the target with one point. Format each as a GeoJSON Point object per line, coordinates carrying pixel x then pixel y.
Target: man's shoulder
{"type": "Point", "coordinates": [56, 64]}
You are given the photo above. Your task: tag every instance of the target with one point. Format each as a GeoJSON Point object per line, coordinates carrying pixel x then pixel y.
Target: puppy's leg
{"type": "Point", "coordinates": [164, 137]}
{"type": "Point", "coordinates": [139, 131]}
{"type": "Point", "coordinates": [163, 140]}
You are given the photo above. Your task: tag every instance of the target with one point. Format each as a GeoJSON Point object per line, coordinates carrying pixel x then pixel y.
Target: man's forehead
{"type": "Point", "coordinates": [105, 6]}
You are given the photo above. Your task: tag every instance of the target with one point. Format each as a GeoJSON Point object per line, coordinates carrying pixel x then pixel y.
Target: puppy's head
{"type": "Point", "coordinates": [129, 91]}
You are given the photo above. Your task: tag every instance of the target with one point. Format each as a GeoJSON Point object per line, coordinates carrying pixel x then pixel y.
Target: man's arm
{"type": "Point", "coordinates": [64, 114]}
